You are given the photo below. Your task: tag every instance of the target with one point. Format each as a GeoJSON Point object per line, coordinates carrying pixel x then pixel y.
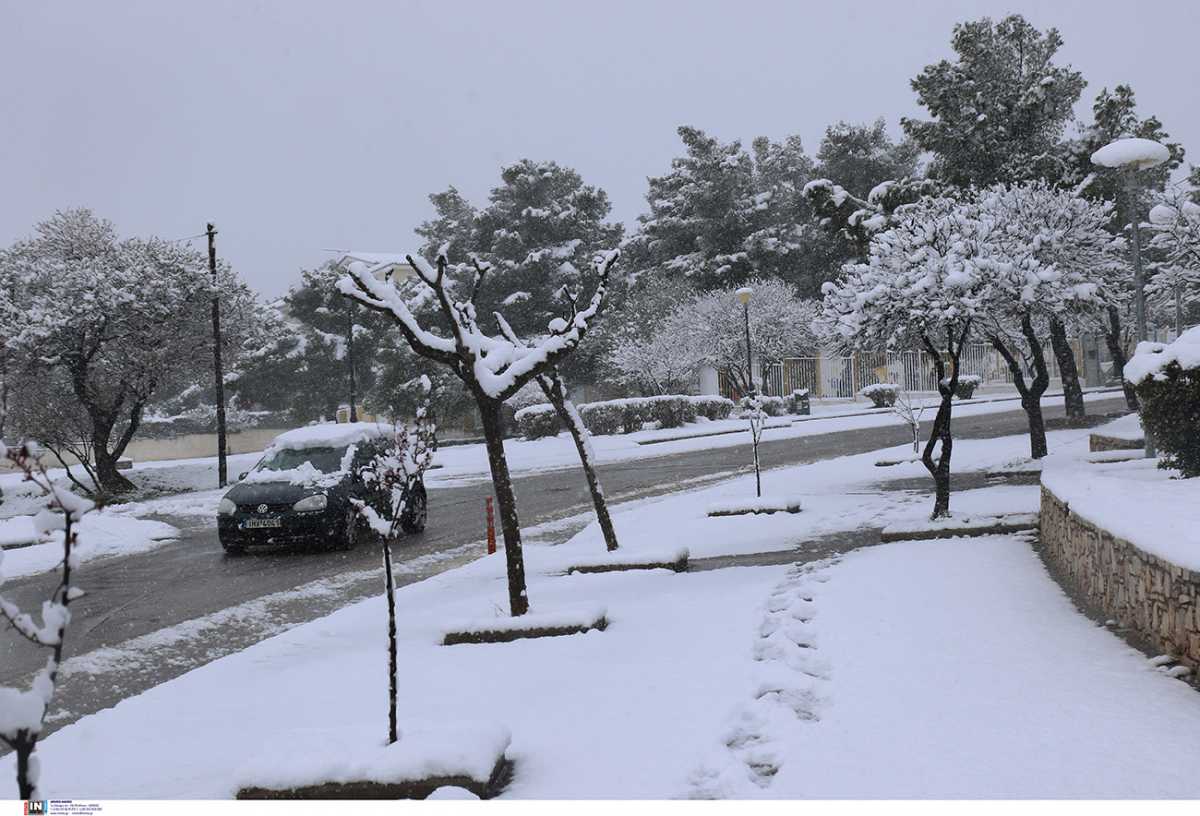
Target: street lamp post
{"type": "Point", "coordinates": [757, 419]}
{"type": "Point", "coordinates": [743, 295]}
{"type": "Point", "coordinates": [1129, 156]}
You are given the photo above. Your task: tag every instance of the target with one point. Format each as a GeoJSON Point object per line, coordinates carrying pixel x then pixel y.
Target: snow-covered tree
{"type": "Point", "coordinates": [1174, 289]}
{"type": "Point", "coordinates": [861, 157]}
{"type": "Point", "coordinates": [723, 215]}
{"type": "Point", "coordinates": [492, 367]}
{"type": "Point", "coordinates": [1050, 257]}
{"type": "Point", "coordinates": [859, 219]}
{"type": "Point", "coordinates": [711, 329]}
{"type": "Point", "coordinates": [998, 110]}
{"type": "Point", "coordinates": [116, 323]}
{"type": "Point", "coordinates": [923, 281]}
{"type": "Point", "coordinates": [23, 711]}
{"type": "Point", "coordinates": [555, 391]}
{"type": "Point", "coordinates": [396, 472]}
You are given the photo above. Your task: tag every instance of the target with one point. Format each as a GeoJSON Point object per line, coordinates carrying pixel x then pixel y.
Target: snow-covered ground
{"type": "Point", "coordinates": [100, 533]}
{"type": "Point", "coordinates": [948, 668]}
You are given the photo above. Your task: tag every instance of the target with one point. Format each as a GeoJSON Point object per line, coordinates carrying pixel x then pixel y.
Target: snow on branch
{"type": "Point", "coordinates": [497, 365]}
{"type": "Point", "coordinates": [23, 711]}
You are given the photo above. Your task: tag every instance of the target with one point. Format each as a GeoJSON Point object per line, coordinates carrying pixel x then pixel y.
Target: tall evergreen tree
{"type": "Point", "coordinates": [998, 111]}
{"type": "Point", "coordinates": [859, 157]}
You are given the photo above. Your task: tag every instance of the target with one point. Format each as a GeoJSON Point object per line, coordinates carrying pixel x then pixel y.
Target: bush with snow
{"type": "Point", "coordinates": [798, 402]}
{"type": "Point", "coordinates": [538, 421]}
{"type": "Point", "coordinates": [967, 383]}
{"type": "Point", "coordinates": [771, 406]}
{"type": "Point", "coordinates": [1167, 380]}
{"type": "Point", "coordinates": [882, 395]}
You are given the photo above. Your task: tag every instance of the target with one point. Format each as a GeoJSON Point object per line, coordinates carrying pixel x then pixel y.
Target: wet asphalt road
{"type": "Point", "coordinates": [121, 641]}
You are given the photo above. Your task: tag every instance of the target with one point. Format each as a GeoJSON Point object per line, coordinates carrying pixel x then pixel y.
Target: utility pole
{"type": "Point", "coordinates": [350, 357]}
{"type": "Point", "coordinates": [218, 371]}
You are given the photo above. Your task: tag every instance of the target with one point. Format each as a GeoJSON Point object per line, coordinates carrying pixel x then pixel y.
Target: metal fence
{"type": "Point", "coordinates": [845, 376]}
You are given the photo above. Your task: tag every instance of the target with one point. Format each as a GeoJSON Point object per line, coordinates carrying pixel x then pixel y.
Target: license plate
{"type": "Point", "coordinates": [260, 523]}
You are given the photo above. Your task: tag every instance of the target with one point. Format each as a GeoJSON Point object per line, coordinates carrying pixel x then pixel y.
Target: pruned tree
{"type": "Point", "coordinates": [922, 281]}
{"type": "Point", "coordinates": [23, 711]}
{"type": "Point", "coordinates": [493, 368]}
{"type": "Point", "coordinates": [396, 473]}
{"type": "Point", "coordinates": [555, 390]}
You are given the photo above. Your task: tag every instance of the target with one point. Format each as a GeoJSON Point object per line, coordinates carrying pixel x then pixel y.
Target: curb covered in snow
{"type": "Point", "coordinates": [531, 625]}
{"type": "Point", "coordinates": [618, 561]}
{"type": "Point", "coordinates": [959, 527]}
{"type": "Point", "coordinates": [741, 507]}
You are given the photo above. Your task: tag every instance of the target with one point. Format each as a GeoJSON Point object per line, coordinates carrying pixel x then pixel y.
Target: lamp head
{"type": "Point", "coordinates": [743, 294]}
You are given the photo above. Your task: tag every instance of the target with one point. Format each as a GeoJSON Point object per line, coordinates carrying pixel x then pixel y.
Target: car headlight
{"type": "Point", "coordinates": [226, 507]}
{"type": "Point", "coordinates": [309, 503]}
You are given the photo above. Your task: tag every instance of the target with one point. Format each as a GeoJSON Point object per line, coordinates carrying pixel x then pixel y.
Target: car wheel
{"type": "Point", "coordinates": [416, 511]}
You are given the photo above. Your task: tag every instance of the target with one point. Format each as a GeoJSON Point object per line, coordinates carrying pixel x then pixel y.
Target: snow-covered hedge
{"type": "Point", "coordinates": [772, 406]}
{"type": "Point", "coordinates": [625, 415]}
{"type": "Point", "coordinates": [883, 395]}
{"type": "Point", "coordinates": [1167, 380]}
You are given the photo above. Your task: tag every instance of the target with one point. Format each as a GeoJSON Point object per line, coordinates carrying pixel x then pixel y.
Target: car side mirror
{"type": "Point", "coordinates": [241, 476]}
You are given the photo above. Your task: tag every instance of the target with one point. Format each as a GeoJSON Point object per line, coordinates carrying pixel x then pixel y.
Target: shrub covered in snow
{"type": "Point", "coordinates": [967, 383]}
{"type": "Point", "coordinates": [883, 395]}
{"type": "Point", "coordinates": [627, 415]}
{"type": "Point", "coordinates": [712, 407]}
{"type": "Point", "coordinates": [798, 402]}
{"type": "Point", "coordinates": [605, 418]}
{"type": "Point", "coordinates": [1167, 380]}
{"type": "Point", "coordinates": [771, 406]}
{"type": "Point", "coordinates": [537, 421]}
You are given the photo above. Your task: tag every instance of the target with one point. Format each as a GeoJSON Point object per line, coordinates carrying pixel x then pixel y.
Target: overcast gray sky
{"type": "Point", "coordinates": [298, 126]}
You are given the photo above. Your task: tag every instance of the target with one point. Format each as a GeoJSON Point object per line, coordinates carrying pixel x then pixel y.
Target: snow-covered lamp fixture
{"type": "Point", "coordinates": [743, 295]}
{"type": "Point", "coordinates": [1131, 154]}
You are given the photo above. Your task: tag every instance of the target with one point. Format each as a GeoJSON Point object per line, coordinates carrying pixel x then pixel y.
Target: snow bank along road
{"type": "Point", "coordinates": [152, 616]}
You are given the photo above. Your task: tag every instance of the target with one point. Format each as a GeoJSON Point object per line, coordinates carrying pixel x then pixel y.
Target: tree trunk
{"type": "Point", "coordinates": [940, 470]}
{"type": "Point", "coordinates": [389, 583]}
{"type": "Point", "coordinates": [941, 430]}
{"type": "Point", "coordinates": [1116, 350]}
{"type": "Point", "coordinates": [23, 747]}
{"type": "Point", "coordinates": [1031, 393]}
{"type": "Point", "coordinates": [110, 479]}
{"type": "Point", "coordinates": [552, 387]}
{"type": "Point", "coordinates": [493, 431]}
{"type": "Point", "coordinates": [1072, 392]}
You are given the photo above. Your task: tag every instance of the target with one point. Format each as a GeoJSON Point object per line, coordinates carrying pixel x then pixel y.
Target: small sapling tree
{"type": "Point", "coordinates": [493, 368]}
{"type": "Point", "coordinates": [397, 472]}
{"type": "Point", "coordinates": [911, 415]}
{"type": "Point", "coordinates": [23, 712]}
{"type": "Point", "coordinates": [922, 282]}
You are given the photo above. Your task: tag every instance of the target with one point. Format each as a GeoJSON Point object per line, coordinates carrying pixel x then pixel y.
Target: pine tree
{"type": "Point", "coordinates": [998, 111]}
{"type": "Point", "coordinates": [860, 157]}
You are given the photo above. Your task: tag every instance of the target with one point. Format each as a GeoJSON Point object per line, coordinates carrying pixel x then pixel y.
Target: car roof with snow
{"type": "Point", "coordinates": [330, 435]}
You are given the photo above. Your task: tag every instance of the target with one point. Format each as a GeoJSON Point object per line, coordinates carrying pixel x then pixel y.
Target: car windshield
{"type": "Point", "coordinates": [326, 460]}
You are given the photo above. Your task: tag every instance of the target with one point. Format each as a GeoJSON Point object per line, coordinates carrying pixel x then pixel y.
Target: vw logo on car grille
{"type": "Point", "coordinates": [262, 508]}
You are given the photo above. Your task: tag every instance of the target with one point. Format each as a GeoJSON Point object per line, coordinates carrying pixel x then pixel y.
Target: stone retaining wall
{"type": "Point", "coordinates": [1143, 593]}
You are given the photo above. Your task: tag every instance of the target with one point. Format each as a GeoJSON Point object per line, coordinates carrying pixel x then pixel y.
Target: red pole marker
{"type": "Point", "coordinates": [491, 527]}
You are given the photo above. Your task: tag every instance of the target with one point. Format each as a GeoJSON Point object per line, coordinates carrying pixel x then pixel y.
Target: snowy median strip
{"type": "Point", "coordinates": [763, 504]}
{"type": "Point", "coordinates": [349, 764]}
{"type": "Point", "coordinates": [674, 559]}
{"type": "Point", "coordinates": [101, 534]}
{"type": "Point", "coordinates": [564, 621]}
{"type": "Point", "coordinates": [959, 526]}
